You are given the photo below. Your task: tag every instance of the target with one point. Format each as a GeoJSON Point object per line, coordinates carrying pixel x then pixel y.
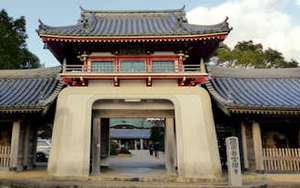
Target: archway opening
{"type": "Point", "coordinates": [133, 138]}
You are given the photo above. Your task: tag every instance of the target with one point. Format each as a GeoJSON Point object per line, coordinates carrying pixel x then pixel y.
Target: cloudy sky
{"type": "Point", "coordinates": [275, 23]}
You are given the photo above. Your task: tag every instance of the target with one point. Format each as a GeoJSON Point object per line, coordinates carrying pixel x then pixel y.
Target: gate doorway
{"type": "Point", "coordinates": [125, 150]}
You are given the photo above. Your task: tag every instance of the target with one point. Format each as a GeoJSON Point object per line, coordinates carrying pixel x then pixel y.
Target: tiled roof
{"type": "Point", "coordinates": [259, 91]}
{"type": "Point", "coordinates": [31, 90]}
{"type": "Point", "coordinates": [133, 122]}
{"type": "Point", "coordinates": [133, 23]}
{"type": "Point", "coordinates": [130, 133]}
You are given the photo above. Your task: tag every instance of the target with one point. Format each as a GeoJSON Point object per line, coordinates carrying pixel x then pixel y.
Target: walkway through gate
{"type": "Point", "coordinates": [103, 110]}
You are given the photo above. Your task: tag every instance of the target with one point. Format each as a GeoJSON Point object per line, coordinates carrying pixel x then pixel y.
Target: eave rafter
{"type": "Point", "coordinates": [167, 38]}
{"type": "Point", "coordinates": [264, 111]}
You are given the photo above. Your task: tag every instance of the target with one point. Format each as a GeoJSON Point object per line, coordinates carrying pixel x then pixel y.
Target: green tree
{"type": "Point", "coordinates": [13, 51]}
{"type": "Point", "coordinates": [249, 54]}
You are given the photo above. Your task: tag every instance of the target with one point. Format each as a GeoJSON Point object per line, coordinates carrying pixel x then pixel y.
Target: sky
{"type": "Point", "coordinates": [274, 23]}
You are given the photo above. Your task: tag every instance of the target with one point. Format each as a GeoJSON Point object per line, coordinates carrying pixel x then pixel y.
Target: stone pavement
{"type": "Point", "coordinates": [138, 170]}
{"type": "Point", "coordinates": [139, 164]}
{"type": "Point", "coordinates": [40, 179]}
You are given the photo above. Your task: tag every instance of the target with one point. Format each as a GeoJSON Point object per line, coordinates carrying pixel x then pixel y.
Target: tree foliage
{"type": "Point", "coordinates": [249, 54]}
{"type": "Point", "coordinates": [158, 133]}
{"type": "Point", "coordinates": [13, 51]}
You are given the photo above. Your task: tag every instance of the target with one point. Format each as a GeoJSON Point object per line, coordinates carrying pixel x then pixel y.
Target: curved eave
{"type": "Point", "coordinates": [263, 111]}
{"type": "Point", "coordinates": [23, 110]}
{"type": "Point", "coordinates": [194, 37]}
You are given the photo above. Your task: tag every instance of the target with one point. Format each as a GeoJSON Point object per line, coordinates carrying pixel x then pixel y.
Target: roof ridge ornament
{"type": "Point", "coordinates": [226, 19]}
{"type": "Point", "coordinates": [182, 8]}
{"type": "Point", "coordinates": [82, 9]}
{"type": "Point", "coordinates": [87, 22]}
{"type": "Point", "coordinates": [42, 26]}
{"type": "Point", "coordinates": [180, 19]}
{"type": "Point", "coordinates": [225, 24]}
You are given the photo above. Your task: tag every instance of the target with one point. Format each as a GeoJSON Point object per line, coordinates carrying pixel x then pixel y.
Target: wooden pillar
{"type": "Point", "coordinates": [244, 144]}
{"type": "Point", "coordinates": [170, 146]}
{"type": "Point", "coordinates": [27, 147]}
{"type": "Point", "coordinates": [105, 142]}
{"type": "Point", "coordinates": [96, 146]}
{"type": "Point", "coordinates": [135, 145]}
{"type": "Point", "coordinates": [34, 130]}
{"type": "Point", "coordinates": [298, 138]}
{"type": "Point", "coordinates": [120, 143]}
{"type": "Point", "coordinates": [257, 144]}
{"type": "Point", "coordinates": [16, 141]}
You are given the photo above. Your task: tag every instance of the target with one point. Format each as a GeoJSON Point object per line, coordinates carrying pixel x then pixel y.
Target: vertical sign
{"type": "Point", "coordinates": [233, 162]}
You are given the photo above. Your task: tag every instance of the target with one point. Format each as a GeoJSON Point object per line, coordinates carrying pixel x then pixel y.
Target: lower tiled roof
{"type": "Point", "coordinates": [258, 91]}
{"type": "Point", "coordinates": [31, 90]}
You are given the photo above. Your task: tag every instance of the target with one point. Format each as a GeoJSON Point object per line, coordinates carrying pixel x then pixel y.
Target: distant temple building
{"type": "Point", "coordinates": [148, 64]}
{"type": "Point", "coordinates": [131, 138]}
{"type": "Point", "coordinates": [131, 133]}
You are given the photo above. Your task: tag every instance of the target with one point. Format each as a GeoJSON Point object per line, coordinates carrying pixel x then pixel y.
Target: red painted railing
{"type": "Point", "coordinates": [110, 69]}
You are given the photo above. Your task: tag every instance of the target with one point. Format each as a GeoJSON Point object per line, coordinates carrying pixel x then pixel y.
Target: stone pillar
{"type": "Point", "coordinates": [257, 144]}
{"type": "Point", "coordinates": [170, 146]}
{"type": "Point", "coordinates": [16, 147]}
{"type": "Point", "coordinates": [244, 144]}
{"type": "Point", "coordinates": [141, 144]}
{"type": "Point", "coordinates": [233, 161]}
{"type": "Point", "coordinates": [96, 146]}
{"type": "Point", "coordinates": [196, 139]}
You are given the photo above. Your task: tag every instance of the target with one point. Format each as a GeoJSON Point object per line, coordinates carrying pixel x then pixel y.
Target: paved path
{"type": "Point", "coordinates": [139, 164]}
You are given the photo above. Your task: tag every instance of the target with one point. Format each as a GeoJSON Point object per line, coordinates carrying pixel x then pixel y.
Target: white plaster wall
{"type": "Point", "coordinates": [196, 138]}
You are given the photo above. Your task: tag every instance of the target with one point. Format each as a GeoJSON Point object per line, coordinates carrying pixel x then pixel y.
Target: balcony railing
{"type": "Point", "coordinates": [110, 69]}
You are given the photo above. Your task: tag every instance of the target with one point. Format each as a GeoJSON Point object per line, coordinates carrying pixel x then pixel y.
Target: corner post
{"type": "Point", "coordinates": [15, 155]}
{"type": "Point", "coordinates": [245, 146]}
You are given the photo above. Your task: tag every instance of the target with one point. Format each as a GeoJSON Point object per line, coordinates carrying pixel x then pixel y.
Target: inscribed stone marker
{"type": "Point", "coordinates": [233, 161]}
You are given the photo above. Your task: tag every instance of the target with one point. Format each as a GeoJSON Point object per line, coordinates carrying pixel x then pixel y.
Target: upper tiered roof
{"type": "Point", "coordinates": [161, 23]}
{"type": "Point", "coordinates": [256, 91]}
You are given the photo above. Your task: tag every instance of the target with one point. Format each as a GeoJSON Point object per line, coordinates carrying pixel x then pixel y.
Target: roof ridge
{"type": "Point", "coordinates": [271, 73]}
{"type": "Point", "coordinates": [29, 73]}
{"type": "Point", "coordinates": [180, 10]}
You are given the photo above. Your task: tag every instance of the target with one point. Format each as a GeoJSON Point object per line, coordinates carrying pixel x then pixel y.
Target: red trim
{"type": "Point", "coordinates": [182, 80]}
{"type": "Point", "coordinates": [47, 38]}
{"type": "Point", "coordinates": [154, 77]}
